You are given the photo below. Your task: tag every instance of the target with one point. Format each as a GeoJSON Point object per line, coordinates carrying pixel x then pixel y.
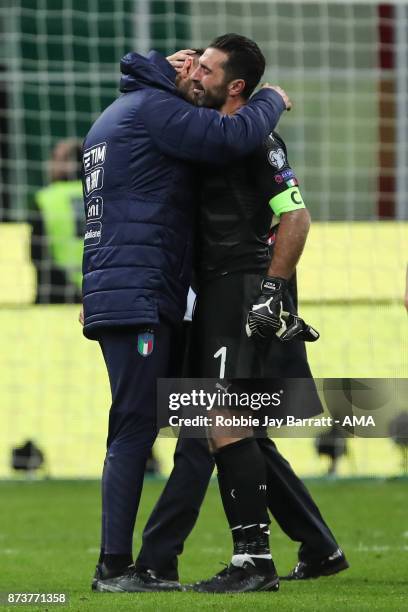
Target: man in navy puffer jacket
{"type": "Point", "coordinates": [139, 200]}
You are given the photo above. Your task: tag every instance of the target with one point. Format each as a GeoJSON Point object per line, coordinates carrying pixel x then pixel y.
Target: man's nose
{"type": "Point", "coordinates": [195, 75]}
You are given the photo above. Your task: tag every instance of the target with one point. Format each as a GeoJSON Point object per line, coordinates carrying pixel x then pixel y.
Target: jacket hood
{"type": "Point", "coordinates": [139, 72]}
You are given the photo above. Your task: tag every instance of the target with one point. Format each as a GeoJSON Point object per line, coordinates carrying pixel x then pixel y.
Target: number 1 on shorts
{"type": "Point", "coordinates": [222, 352]}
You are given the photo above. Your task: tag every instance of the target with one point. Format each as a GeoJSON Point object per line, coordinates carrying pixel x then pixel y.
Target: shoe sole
{"type": "Point", "coordinates": [103, 587]}
{"type": "Point", "coordinates": [271, 586]}
{"type": "Point", "coordinates": [329, 572]}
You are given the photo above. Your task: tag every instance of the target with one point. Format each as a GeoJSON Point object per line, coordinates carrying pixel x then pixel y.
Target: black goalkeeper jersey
{"type": "Point", "coordinates": [235, 216]}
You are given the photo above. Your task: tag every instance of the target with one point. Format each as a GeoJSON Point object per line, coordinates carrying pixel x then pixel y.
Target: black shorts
{"type": "Point", "coordinates": [220, 347]}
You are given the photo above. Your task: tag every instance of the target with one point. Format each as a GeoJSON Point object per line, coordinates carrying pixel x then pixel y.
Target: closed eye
{"type": "Point", "coordinates": [205, 68]}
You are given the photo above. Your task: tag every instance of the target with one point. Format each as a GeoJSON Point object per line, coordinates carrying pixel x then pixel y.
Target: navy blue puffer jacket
{"type": "Point", "coordinates": [139, 192]}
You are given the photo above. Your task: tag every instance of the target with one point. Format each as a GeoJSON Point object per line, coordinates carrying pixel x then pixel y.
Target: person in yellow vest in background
{"type": "Point", "coordinates": [58, 222]}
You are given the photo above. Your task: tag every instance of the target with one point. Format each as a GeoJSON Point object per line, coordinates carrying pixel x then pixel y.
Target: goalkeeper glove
{"type": "Point", "coordinates": [296, 328]}
{"type": "Point", "coordinates": [265, 317]}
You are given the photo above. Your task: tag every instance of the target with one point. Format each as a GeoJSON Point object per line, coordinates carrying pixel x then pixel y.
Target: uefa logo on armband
{"type": "Point", "coordinates": [145, 343]}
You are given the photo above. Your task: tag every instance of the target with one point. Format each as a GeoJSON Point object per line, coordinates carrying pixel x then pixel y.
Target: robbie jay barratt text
{"type": "Point", "coordinates": [220, 420]}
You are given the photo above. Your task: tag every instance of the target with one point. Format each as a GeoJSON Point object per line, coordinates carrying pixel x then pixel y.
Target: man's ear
{"type": "Point", "coordinates": [236, 87]}
{"type": "Point", "coordinates": [187, 66]}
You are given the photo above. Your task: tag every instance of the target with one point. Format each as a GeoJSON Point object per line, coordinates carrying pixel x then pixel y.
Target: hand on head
{"type": "Point", "coordinates": [178, 59]}
{"type": "Point", "coordinates": [281, 92]}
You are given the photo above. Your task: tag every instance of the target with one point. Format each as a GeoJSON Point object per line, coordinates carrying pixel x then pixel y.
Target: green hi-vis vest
{"type": "Point", "coordinates": [61, 205]}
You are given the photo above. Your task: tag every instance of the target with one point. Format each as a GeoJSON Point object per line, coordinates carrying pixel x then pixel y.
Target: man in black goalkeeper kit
{"type": "Point", "coordinates": [245, 299]}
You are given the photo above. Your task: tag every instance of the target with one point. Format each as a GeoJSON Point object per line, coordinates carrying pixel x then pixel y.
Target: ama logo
{"type": "Point", "coordinates": [145, 343]}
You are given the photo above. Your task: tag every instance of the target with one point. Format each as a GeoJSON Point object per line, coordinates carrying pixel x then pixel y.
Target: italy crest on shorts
{"type": "Point", "coordinates": [145, 343]}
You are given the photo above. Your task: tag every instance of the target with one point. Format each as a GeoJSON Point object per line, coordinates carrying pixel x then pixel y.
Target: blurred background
{"type": "Point", "coordinates": [345, 66]}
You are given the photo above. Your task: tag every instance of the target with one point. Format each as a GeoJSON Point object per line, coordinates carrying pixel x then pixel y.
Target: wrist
{"type": "Point", "coordinates": [273, 284]}
{"type": "Point", "coordinates": [272, 97]}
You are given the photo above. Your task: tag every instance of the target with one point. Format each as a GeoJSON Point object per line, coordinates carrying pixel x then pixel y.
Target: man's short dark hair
{"type": "Point", "coordinates": [245, 60]}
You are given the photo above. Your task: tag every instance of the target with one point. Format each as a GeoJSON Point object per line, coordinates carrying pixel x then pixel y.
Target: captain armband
{"type": "Point", "coordinates": [287, 201]}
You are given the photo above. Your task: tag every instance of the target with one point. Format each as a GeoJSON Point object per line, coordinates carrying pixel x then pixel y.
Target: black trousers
{"type": "Point", "coordinates": [135, 358]}
{"type": "Point", "coordinates": [177, 509]}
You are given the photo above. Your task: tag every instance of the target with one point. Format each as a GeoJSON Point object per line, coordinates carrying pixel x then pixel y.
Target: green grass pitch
{"type": "Point", "coordinates": [49, 535]}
